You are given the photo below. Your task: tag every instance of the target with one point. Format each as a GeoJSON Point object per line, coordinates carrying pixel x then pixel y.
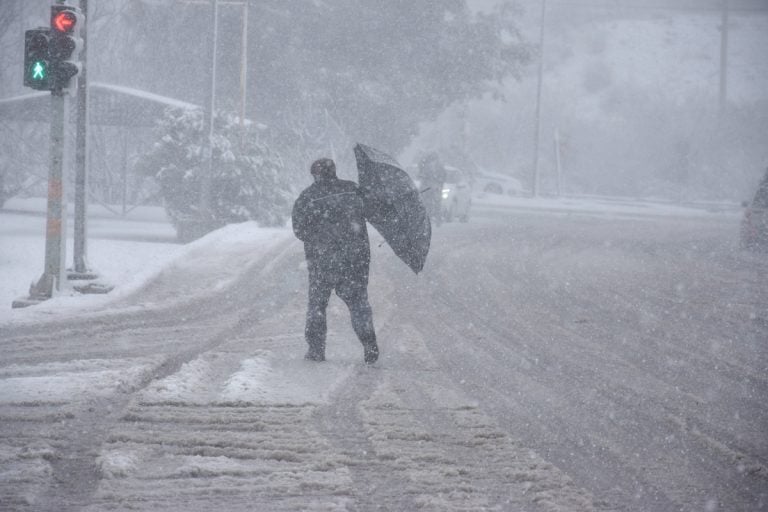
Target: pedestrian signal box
{"type": "Point", "coordinates": [37, 62]}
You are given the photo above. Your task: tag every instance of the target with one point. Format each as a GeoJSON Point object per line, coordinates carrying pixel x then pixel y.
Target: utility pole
{"type": "Point", "coordinates": [558, 160]}
{"type": "Point", "coordinates": [204, 221]}
{"type": "Point", "coordinates": [207, 172]}
{"type": "Point", "coordinates": [243, 70]}
{"type": "Point", "coordinates": [80, 264]}
{"type": "Point", "coordinates": [723, 58]}
{"type": "Point", "coordinates": [537, 121]}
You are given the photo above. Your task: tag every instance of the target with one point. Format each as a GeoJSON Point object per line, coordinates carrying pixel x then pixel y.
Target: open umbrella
{"type": "Point", "coordinates": [394, 206]}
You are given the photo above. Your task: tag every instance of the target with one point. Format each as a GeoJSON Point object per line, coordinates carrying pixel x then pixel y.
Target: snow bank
{"type": "Point", "coordinates": [116, 251]}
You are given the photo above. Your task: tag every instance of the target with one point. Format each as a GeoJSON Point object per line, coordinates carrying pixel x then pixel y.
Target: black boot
{"type": "Point", "coordinates": [370, 353]}
{"type": "Point", "coordinates": [315, 354]}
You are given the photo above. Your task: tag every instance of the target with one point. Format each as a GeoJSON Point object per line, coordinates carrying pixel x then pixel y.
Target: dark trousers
{"type": "Point", "coordinates": [354, 292]}
{"type": "Point", "coordinates": [432, 198]}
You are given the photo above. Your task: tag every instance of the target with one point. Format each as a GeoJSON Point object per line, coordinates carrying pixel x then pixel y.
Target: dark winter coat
{"type": "Point", "coordinates": [432, 173]}
{"type": "Point", "coordinates": [329, 217]}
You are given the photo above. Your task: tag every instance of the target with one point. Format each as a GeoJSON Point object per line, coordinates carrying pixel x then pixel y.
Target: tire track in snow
{"type": "Point", "coordinates": [70, 463]}
{"type": "Point", "coordinates": [528, 341]}
{"type": "Point", "coordinates": [545, 405]}
{"type": "Point", "coordinates": [447, 441]}
{"type": "Point", "coordinates": [377, 485]}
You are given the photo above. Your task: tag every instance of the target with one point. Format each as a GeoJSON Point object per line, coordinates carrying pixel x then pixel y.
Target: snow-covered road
{"type": "Point", "coordinates": [631, 354]}
{"type": "Point", "coordinates": [539, 363]}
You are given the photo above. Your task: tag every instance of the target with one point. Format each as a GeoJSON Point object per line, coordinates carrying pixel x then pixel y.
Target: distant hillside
{"type": "Point", "coordinates": [633, 95]}
{"type": "Point", "coordinates": [675, 54]}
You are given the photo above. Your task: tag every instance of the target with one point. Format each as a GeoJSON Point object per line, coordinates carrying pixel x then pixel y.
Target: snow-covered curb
{"type": "Point", "coordinates": [215, 260]}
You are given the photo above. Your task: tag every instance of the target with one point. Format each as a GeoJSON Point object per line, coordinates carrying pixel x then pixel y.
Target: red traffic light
{"type": "Point", "coordinates": [64, 21]}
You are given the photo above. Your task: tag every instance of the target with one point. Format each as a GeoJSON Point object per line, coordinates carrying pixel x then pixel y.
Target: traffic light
{"type": "Point", "coordinates": [65, 44]}
{"type": "Point", "coordinates": [37, 64]}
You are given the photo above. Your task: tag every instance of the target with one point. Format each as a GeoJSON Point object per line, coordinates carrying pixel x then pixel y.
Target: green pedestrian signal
{"type": "Point", "coordinates": [37, 59]}
{"type": "Point", "coordinates": [38, 71]}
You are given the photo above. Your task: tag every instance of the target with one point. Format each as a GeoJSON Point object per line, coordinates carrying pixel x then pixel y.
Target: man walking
{"type": "Point", "coordinates": [329, 217]}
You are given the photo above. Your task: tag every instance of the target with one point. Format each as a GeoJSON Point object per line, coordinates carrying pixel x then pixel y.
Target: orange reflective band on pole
{"type": "Point", "coordinates": [54, 189]}
{"type": "Point", "coordinates": [53, 228]}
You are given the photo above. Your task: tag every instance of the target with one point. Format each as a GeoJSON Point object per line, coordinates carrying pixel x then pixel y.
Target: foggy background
{"type": "Point", "coordinates": [631, 89]}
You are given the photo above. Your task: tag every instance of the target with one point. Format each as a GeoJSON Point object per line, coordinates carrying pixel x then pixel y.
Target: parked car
{"type": "Point", "coordinates": [457, 195]}
{"type": "Point", "coordinates": [486, 182]}
{"type": "Point", "coordinates": [754, 224]}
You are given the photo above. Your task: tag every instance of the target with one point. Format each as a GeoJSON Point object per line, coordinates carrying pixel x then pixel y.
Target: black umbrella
{"type": "Point", "coordinates": [394, 206]}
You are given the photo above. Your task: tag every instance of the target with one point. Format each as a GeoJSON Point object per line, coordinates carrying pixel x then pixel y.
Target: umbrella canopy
{"type": "Point", "coordinates": [394, 206]}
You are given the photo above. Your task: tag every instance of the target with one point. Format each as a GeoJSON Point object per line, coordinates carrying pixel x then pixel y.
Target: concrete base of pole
{"type": "Point", "coordinates": [93, 288]}
{"type": "Point", "coordinates": [43, 289]}
{"type": "Point", "coordinates": [81, 282]}
{"type": "Point", "coordinates": [87, 282]}
{"type": "Point", "coordinates": [23, 302]}
{"type": "Point", "coordinates": [73, 275]}
{"type": "Point", "coordinates": [38, 292]}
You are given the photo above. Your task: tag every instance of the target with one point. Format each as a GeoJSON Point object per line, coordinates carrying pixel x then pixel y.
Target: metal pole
{"type": "Point", "coordinates": [124, 176]}
{"type": "Point", "coordinates": [207, 174]}
{"type": "Point", "coordinates": [537, 134]}
{"type": "Point", "coordinates": [55, 229]}
{"type": "Point", "coordinates": [81, 232]}
{"type": "Point", "coordinates": [243, 69]}
{"type": "Point", "coordinates": [724, 57]}
{"type": "Point", "coordinates": [559, 163]}
{"type": "Point", "coordinates": [55, 241]}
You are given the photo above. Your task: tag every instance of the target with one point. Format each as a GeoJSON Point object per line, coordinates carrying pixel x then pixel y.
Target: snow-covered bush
{"type": "Point", "coordinates": [244, 180]}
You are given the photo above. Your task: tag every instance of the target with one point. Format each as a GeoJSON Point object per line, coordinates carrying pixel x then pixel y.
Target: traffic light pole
{"type": "Point", "coordinates": [55, 241]}
{"type": "Point", "coordinates": [80, 249]}
{"type": "Point", "coordinates": [50, 62]}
